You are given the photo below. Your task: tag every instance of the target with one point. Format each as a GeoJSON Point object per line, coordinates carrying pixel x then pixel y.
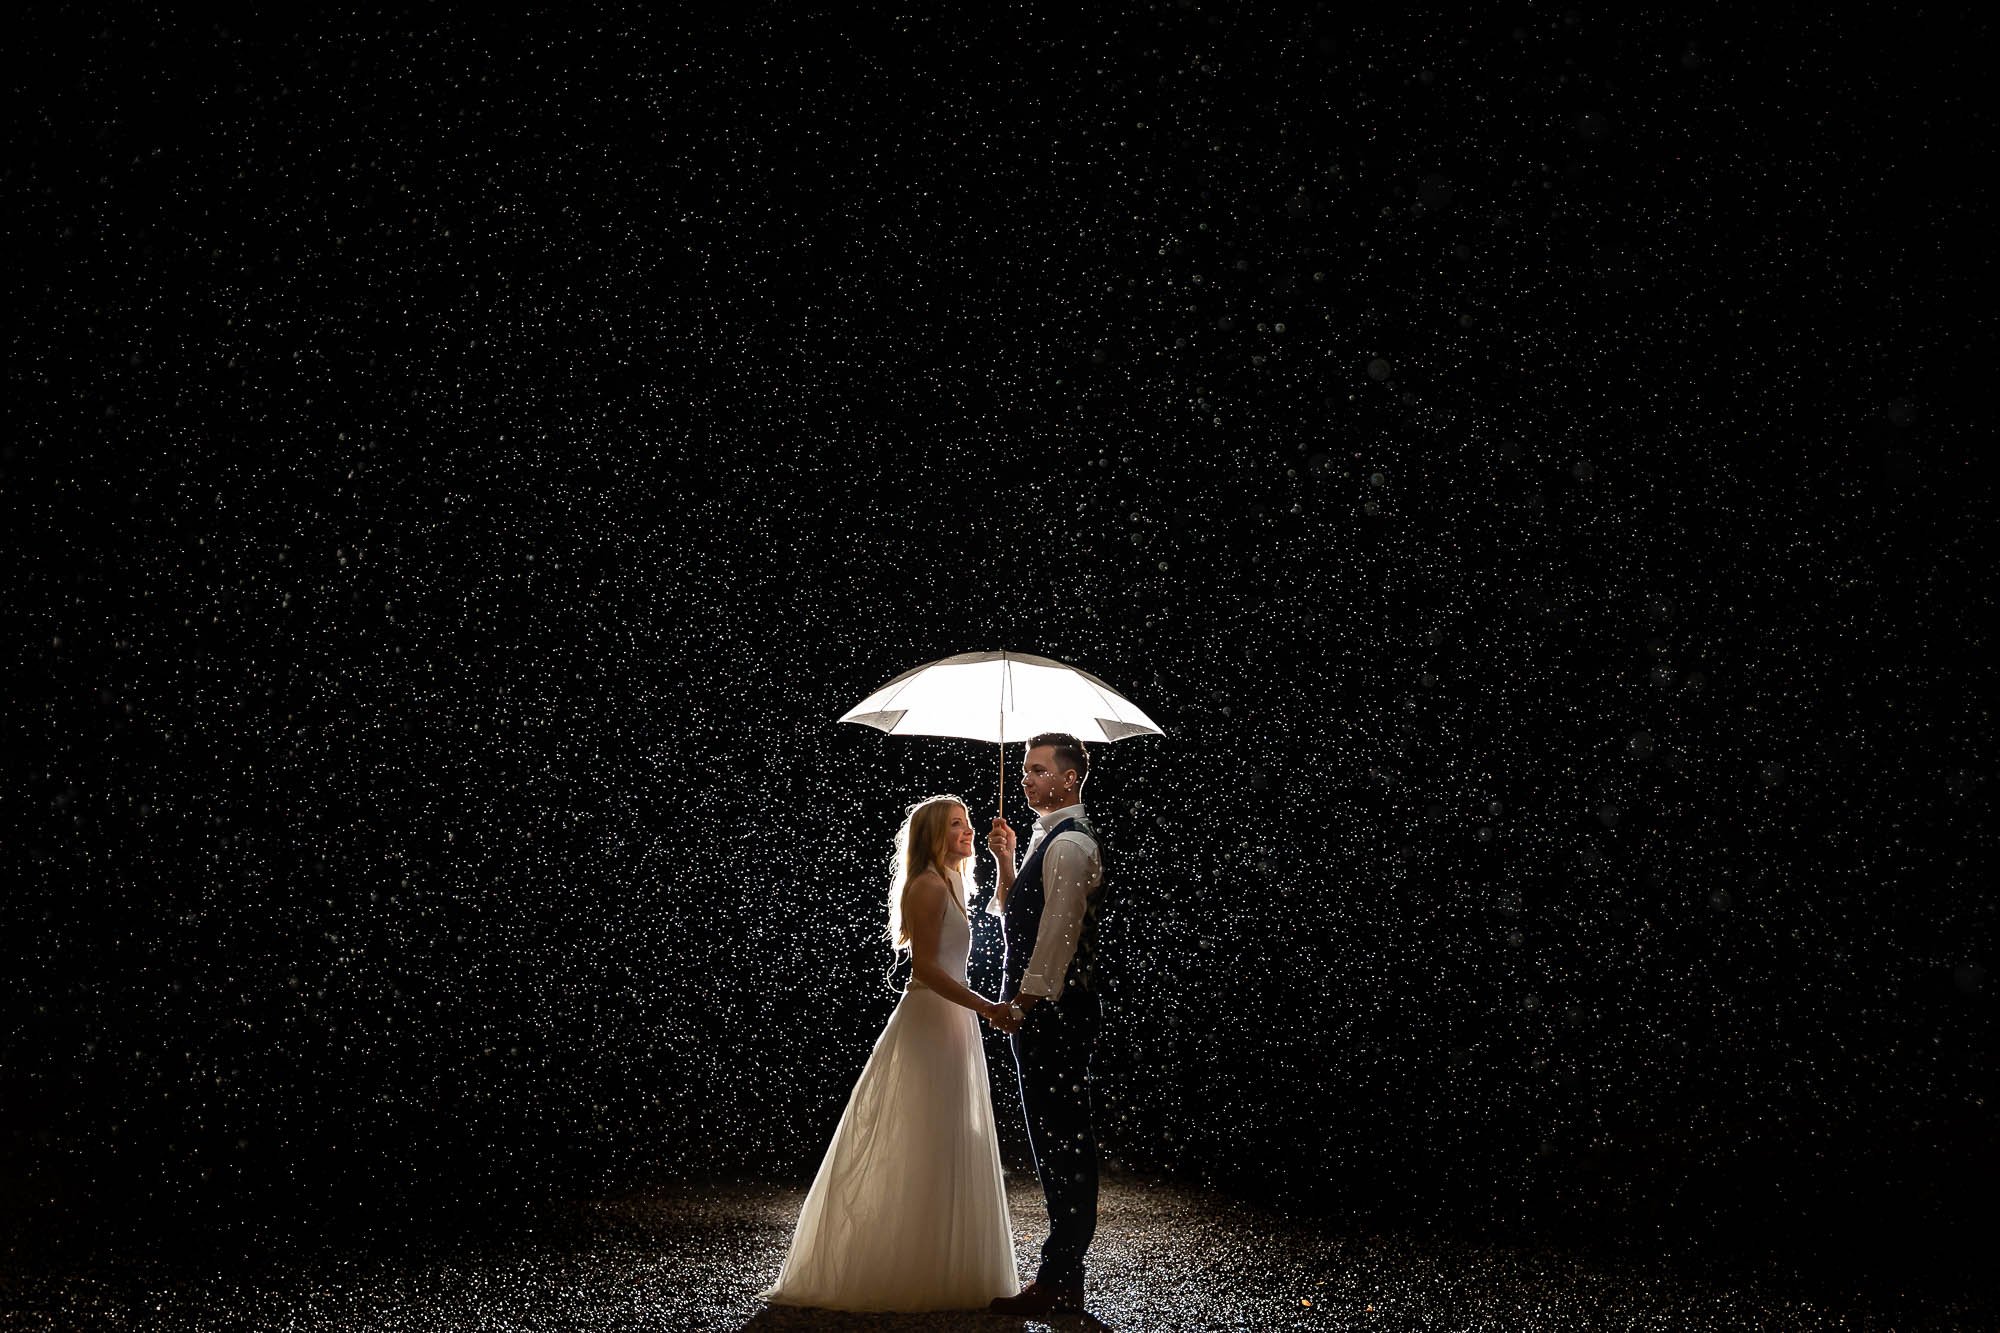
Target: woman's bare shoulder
{"type": "Point", "coordinates": [927, 882]}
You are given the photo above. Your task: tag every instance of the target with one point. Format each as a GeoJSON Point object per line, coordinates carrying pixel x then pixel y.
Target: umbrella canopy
{"type": "Point", "coordinates": [1001, 696]}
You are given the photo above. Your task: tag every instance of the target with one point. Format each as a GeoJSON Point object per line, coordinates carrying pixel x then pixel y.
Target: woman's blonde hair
{"type": "Point", "coordinates": [921, 846]}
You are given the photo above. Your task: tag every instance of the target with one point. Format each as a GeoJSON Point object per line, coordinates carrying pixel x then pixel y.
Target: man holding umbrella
{"type": "Point", "coordinates": [1048, 908]}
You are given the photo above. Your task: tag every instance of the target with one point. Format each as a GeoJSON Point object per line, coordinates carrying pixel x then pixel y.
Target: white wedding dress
{"type": "Point", "coordinates": [909, 1209]}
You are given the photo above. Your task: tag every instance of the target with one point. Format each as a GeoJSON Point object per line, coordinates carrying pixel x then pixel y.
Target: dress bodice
{"type": "Point", "coordinates": [955, 940]}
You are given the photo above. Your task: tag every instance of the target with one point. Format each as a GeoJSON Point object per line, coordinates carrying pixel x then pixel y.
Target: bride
{"type": "Point", "coordinates": [909, 1209]}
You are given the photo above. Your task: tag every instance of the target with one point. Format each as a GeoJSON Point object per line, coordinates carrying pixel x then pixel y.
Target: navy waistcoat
{"type": "Point", "coordinates": [1022, 918]}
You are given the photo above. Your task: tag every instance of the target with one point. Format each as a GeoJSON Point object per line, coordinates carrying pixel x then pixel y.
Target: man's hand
{"type": "Point", "coordinates": [1000, 841]}
{"type": "Point", "coordinates": [1003, 1021]}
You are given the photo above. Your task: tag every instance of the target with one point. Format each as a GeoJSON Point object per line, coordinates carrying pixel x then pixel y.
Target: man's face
{"type": "Point", "coordinates": [1046, 788]}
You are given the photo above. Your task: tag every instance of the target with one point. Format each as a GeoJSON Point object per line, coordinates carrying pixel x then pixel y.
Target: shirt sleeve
{"type": "Point", "coordinates": [1071, 870]}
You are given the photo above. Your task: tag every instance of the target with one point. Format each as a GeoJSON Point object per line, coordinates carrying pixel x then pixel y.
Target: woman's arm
{"type": "Point", "coordinates": [924, 905]}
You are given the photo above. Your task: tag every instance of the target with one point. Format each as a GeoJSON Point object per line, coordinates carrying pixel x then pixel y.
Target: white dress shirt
{"type": "Point", "coordinates": [1071, 872]}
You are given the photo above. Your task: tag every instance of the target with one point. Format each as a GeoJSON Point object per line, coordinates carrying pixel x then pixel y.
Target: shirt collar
{"type": "Point", "coordinates": [1054, 817]}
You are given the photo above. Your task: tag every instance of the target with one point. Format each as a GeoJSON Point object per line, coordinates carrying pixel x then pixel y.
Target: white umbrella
{"type": "Point", "coordinates": [1001, 697]}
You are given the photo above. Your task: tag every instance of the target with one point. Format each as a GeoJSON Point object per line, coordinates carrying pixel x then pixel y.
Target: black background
{"type": "Point", "coordinates": [455, 475]}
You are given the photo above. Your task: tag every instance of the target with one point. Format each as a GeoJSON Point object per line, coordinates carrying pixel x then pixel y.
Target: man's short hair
{"type": "Point", "coordinates": [1069, 752]}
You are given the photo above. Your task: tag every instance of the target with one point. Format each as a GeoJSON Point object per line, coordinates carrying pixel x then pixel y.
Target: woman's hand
{"type": "Point", "coordinates": [1001, 1017]}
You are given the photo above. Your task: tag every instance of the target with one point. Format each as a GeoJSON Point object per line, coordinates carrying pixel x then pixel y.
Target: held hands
{"type": "Point", "coordinates": [1000, 841]}
{"type": "Point", "coordinates": [1001, 1017]}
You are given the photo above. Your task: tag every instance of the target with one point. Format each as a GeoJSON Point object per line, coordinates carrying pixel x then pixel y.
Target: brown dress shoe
{"type": "Point", "coordinates": [1040, 1298]}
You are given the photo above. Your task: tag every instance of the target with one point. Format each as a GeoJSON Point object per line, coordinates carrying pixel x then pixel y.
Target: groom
{"type": "Point", "coordinates": [1048, 908]}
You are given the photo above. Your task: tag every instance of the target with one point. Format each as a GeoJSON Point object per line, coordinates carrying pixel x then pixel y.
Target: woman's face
{"type": "Point", "coordinates": [958, 834]}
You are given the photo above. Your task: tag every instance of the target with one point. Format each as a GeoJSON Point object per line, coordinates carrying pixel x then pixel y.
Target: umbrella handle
{"type": "Point", "coordinates": [1001, 732]}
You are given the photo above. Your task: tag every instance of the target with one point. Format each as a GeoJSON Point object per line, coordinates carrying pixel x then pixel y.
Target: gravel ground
{"type": "Point", "coordinates": [1167, 1256]}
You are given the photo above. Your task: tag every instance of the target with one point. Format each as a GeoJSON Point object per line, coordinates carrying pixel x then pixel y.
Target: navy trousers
{"type": "Point", "coordinates": [1052, 1060]}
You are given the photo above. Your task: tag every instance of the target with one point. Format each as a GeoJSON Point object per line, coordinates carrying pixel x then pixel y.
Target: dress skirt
{"type": "Point", "coordinates": [909, 1208]}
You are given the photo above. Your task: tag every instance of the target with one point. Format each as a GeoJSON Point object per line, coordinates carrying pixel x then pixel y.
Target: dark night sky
{"type": "Point", "coordinates": [454, 475]}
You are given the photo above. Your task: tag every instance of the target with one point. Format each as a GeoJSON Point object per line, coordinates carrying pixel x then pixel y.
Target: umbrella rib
{"type": "Point", "coordinates": [1111, 700]}
{"type": "Point", "coordinates": [899, 690]}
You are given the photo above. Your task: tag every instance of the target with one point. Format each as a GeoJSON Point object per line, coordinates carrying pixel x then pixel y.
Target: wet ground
{"type": "Point", "coordinates": [1167, 1256]}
